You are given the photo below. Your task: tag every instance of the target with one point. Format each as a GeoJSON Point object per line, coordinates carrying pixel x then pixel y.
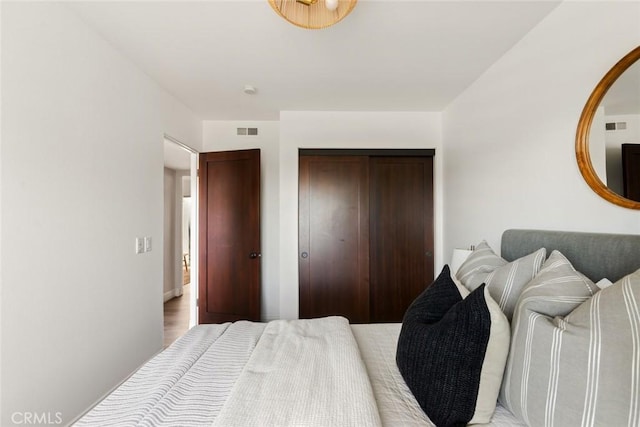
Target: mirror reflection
{"type": "Point", "coordinates": [614, 137]}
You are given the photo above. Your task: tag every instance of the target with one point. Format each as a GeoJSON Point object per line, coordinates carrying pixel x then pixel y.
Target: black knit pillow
{"type": "Point", "coordinates": [441, 352]}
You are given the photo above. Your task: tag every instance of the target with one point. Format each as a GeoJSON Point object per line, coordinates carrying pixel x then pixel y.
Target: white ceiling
{"type": "Point", "coordinates": [387, 55]}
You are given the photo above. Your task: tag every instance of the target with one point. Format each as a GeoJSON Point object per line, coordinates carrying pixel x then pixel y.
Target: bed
{"type": "Point", "coordinates": [325, 372]}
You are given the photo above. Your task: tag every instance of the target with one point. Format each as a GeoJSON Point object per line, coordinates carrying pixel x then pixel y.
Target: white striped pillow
{"type": "Point", "coordinates": [505, 280]}
{"type": "Point", "coordinates": [574, 358]}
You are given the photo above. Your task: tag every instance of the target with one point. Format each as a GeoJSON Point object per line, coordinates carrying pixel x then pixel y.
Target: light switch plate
{"type": "Point", "coordinates": [139, 245]}
{"type": "Point", "coordinates": [147, 244]}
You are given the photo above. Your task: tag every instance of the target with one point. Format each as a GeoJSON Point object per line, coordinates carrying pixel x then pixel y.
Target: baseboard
{"type": "Point", "coordinates": [172, 294]}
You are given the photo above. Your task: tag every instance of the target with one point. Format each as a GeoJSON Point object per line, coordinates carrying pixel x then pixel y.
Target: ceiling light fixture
{"type": "Point", "coordinates": [313, 14]}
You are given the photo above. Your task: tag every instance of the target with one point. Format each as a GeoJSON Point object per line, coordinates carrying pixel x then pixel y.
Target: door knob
{"type": "Point", "coordinates": [254, 255]}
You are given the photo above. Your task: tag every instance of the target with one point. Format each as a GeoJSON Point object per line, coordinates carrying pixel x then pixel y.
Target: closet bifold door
{"type": "Point", "coordinates": [334, 237]}
{"type": "Point", "coordinates": [401, 233]}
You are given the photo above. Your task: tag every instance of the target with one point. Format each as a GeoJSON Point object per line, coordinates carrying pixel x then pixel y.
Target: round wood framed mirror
{"type": "Point", "coordinates": [583, 154]}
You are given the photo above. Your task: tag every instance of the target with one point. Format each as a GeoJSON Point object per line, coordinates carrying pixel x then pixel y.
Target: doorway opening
{"type": "Point", "coordinates": [180, 233]}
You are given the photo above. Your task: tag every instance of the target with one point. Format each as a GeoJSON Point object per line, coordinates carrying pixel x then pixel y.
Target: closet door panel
{"type": "Point", "coordinates": [401, 247]}
{"type": "Point", "coordinates": [334, 237]}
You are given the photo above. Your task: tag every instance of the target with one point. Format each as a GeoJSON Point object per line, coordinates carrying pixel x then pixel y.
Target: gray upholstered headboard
{"type": "Point", "coordinates": [597, 255]}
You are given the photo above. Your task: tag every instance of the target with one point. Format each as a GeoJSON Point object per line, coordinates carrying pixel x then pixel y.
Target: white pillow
{"type": "Point", "coordinates": [504, 279]}
{"type": "Point", "coordinates": [575, 350]}
{"type": "Point", "coordinates": [604, 283]}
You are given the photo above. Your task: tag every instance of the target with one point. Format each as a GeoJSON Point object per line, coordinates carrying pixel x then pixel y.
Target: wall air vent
{"type": "Point", "coordinates": [247, 131]}
{"type": "Point", "coordinates": [615, 126]}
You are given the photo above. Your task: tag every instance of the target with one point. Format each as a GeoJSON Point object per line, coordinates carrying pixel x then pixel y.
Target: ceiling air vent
{"type": "Point", "coordinates": [247, 131]}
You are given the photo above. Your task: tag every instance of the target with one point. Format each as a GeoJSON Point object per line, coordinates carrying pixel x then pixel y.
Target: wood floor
{"type": "Point", "coordinates": [176, 316]}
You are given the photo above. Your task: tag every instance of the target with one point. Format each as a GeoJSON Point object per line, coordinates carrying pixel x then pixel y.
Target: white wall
{"type": "Point", "coordinates": [221, 136]}
{"type": "Point", "coordinates": [173, 232]}
{"type": "Point", "coordinates": [186, 223]}
{"type": "Point", "coordinates": [82, 162]}
{"type": "Point", "coordinates": [509, 138]}
{"type": "Point", "coordinates": [279, 143]}
{"type": "Point", "coordinates": [1, 274]}
{"type": "Point", "coordinates": [179, 122]}
{"type": "Point", "coordinates": [169, 236]}
{"type": "Point", "coordinates": [344, 130]}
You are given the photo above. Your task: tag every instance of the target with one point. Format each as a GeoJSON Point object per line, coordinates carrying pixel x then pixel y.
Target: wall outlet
{"type": "Point", "coordinates": [139, 245]}
{"type": "Point", "coordinates": [147, 244]}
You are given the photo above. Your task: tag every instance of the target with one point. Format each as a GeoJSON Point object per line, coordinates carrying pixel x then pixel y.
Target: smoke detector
{"type": "Point", "coordinates": [249, 90]}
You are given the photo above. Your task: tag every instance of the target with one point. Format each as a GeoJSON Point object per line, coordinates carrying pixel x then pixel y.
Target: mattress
{"type": "Point", "coordinates": [240, 374]}
{"type": "Point", "coordinates": [396, 404]}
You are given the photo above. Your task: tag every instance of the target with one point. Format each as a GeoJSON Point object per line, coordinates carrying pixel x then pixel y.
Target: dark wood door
{"type": "Point", "coordinates": [401, 247]}
{"type": "Point", "coordinates": [334, 237]}
{"type": "Point", "coordinates": [631, 171]}
{"type": "Point", "coordinates": [229, 247]}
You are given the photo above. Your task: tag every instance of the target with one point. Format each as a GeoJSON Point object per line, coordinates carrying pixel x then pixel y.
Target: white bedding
{"type": "Point", "coordinates": [185, 385]}
{"type": "Point", "coordinates": [310, 367]}
{"type": "Point", "coordinates": [396, 404]}
{"type": "Point", "coordinates": [245, 374]}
